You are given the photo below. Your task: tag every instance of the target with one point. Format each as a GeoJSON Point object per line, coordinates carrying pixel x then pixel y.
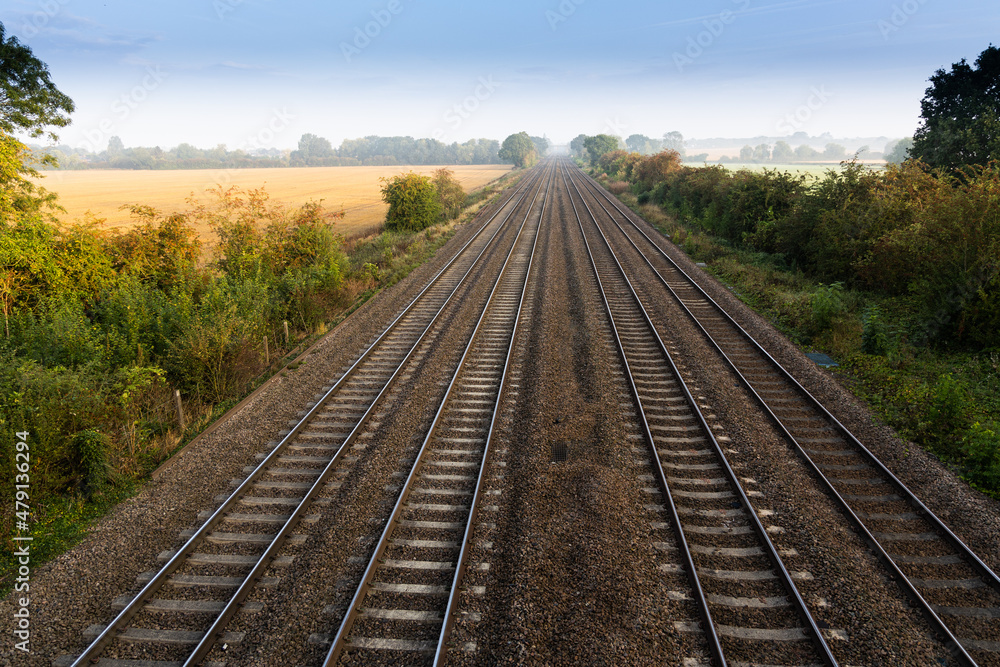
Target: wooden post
{"type": "Point", "coordinates": [180, 408]}
{"type": "Point", "coordinates": [267, 353]}
{"type": "Point", "coordinates": [285, 323]}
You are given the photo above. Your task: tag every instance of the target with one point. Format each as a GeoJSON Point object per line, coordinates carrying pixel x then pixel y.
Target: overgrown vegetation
{"type": "Point", "coordinates": [896, 273]}
{"type": "Point", "coordinates": [101, 325]}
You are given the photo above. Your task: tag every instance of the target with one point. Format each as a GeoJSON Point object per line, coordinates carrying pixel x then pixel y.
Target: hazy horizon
{"type": "Point", "coordinates": [258, 73]}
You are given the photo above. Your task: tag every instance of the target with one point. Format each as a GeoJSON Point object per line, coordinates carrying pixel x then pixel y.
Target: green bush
{"type": "Point", "coordinates": [827, 305]}
{"type": "Point", "coordinates": [89, 458]}
{"type": "Point", "coordinates": [981, 449]}
{"type": "Point", "coordinates": [877, 336]}
{"type": "Point", "coordinates": [413, 202]}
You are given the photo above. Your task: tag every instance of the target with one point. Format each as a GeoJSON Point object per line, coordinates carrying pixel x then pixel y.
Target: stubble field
{"type": "Point", "coordinates": [356, 190]}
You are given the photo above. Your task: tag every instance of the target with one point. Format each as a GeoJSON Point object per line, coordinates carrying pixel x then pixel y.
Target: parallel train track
{"type": "Point", "coordinates": [957, 593]}
{"type": "Point", "coordinates": [406, 602]}
{"type": "Point", "coordinates": [210, 576]}
{"type": "Point", "coordinates": [745, 607]}
{"type": "Point", "coordinates": [748, 603]}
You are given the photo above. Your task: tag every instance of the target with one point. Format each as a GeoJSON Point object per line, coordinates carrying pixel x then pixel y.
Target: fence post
{"type": "Point", "coordinates": [267, 352]}
{"type": "Point", "coordinates": [180, 408]}
{"type": "Point", "coordinates": [285, 323]}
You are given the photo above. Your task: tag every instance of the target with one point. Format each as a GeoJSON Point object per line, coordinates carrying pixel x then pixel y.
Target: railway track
{"type": "Point", "coordinates": [735, 599]}
{"type": "Point", "coordinates": [750, 608]}
{"type": "Point", "coordinates": [183, 609]}
{"type": "Point", "coordinates": [406, 602]}
{"type": "Point", "coordinates": [958, 594]}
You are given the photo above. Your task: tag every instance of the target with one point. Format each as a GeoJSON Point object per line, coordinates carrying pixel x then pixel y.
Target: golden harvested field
{"type": "Point", "coordinates": [355, 189]}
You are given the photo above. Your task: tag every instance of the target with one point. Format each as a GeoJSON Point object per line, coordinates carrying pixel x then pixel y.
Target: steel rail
{"type": "Point", "coordinates": [157, 581]}
{"type": "Point", "coordinates": [816, 634]}
{"type": "Point", "coordinates": [909, 589]}
{"type": "Point", "coordinates": [337, 645]}
{"type": "Point", "coordinates": [462, 564]}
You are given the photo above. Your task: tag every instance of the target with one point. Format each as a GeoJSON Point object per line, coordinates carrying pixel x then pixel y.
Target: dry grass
{"type": "Point", "coordinates": [355, 189]}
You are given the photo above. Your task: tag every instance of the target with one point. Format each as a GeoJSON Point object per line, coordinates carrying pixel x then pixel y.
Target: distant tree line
{"type": "Point", "coordinates": [782, 153]}
{"type": "Point", "coordinates": [313, 151]}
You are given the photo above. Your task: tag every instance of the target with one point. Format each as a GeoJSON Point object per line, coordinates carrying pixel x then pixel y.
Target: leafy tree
{"type": "Point", "coordinates": [806, 152]}
{"type": "Point", "coordinates": [541, 144]}
{"type": "Point", "coordinates": [746, 153]}
{"type": "Point", "coordinates": [636, 142]}
{"type": "Point", "coordinates": [599, 145]}
{"type": "Point", "coordinates": [961, 114]}
{"type": "Point", "coordinates": [897, 152]}
{"type": "Point", "coordinates": [115, 146]}
{"type": "Point", "coordinates": [782, 152]}
{"type": "Point", "coordinates": [762, 153]}
{"type": "Point", "coordinates": [413, 202]}
{"type": "Point", "coordinates": [674, 141]}
{"type": "Point", "coordinates": [640, 143]}
{"type": "Point", "coordinates": [29, 101]}
{"type": "Point", "coordinates": [449, 191]}
{"type": "Point", "coordinates": [519, 149]}
{"type": "Point", "coordinates": [578, 145]}
{"type": "Point", "coordinates": [834, 152]}
{"type": "Point", "coordinates": [655, 169]}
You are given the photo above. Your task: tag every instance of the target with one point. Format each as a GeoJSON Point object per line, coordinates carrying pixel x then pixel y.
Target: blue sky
{"type": "Point", "coordinates": [249, 73]}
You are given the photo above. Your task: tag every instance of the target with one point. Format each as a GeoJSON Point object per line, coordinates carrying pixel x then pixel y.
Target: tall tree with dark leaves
{"type": "Point", "coordinates": [961, 114]}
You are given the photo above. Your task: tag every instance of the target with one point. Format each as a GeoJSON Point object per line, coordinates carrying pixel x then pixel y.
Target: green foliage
{"type": "Point", "coordinates": [216, 351]}
{"type": "Point", "coordinates": [450, 192]}
{"type": "Point", "coordinates": [597, 146]}
{"type": "Point", "coordinates": [827, 305]}
{"type": "Point", "coordinates": [898, 152]}
{"type": "Point", "coordinates": [578, 146]}
{"type": "Point", "coordinates": [99, 325]}
{"type": "Point", "coordinates": [961, 114]}
{"type": "Point", "coordinates": [89, 457]}
{"type": "Point", "coordinates": [519, 149]}
{"type": "Point", "coordinates": [29, 101]}
{"type": "Point", "coordinates": [981, 453]}
{"type": "Point", "coordinates": [907, 231]}
{"type": "Point", "coordinates": [877, 336]}
{"type": "Point", "coordinates": [946, 416]}
{"type": "Point", "coordinates": [413, 202]}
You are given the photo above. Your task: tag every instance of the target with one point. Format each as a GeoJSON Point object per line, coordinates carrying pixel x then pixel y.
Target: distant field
{"type": "Point", "coordinates": [813, 170]}
{"type": "Point", "coordinates": [355, 189]}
